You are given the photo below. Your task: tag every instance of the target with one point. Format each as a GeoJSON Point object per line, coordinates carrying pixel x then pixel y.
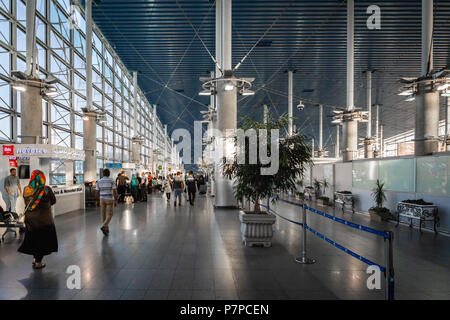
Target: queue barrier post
{"type": "Point", "coordinates": [304, 259]}
{"type": "Point", "coordinates": [389, 271]}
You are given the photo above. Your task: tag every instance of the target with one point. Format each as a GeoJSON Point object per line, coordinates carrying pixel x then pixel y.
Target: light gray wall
{"type": "Point", "coordinates": [343, 180]}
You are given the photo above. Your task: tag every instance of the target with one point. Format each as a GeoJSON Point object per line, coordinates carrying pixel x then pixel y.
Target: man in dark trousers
{"type": "Point", "coordinates": [191, 187]}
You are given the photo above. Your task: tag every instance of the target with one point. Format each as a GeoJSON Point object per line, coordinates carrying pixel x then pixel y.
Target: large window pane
{"type": "Point", "coordinates": [5, 29]}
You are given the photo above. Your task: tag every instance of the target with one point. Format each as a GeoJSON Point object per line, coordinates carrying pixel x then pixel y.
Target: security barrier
{"type": "Point", "coordinates": [388, 269]}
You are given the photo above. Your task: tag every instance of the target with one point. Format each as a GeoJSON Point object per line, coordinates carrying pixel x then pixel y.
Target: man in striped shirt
{"type": "Point", "coordinates": [107, 193]}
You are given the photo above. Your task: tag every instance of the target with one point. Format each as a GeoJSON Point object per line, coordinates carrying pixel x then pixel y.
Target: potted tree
{"type": "Point", "coordinates": [379, 213]}
{"type": "Point", "coordinates": [294, 156]}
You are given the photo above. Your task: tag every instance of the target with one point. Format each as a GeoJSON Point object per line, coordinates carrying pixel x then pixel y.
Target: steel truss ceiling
{"type": "Point", "coordinates": [157, 38]}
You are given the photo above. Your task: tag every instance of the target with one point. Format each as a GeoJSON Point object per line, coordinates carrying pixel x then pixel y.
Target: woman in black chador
{"type": "Point", "coordinates": [40, 235]}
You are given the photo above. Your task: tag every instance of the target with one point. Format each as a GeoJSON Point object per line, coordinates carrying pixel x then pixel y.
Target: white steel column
{"type": "Point", "coordinates": [266, 113]}
{"type": "Point", "coordinates": [31, 100]}
{"type": "Point", "coordinates": [350, 126]}
{"type": "Point", "coordinates": [320, 130]}
{"type": "Point", "coordinates": [427, 100]}
{"type": "Point", "coordinates": [312, 148]}
{"type": "Point", "coordinates": [336, 151]}
{"type": "Point", "coordinates": [369, 102]}
{"type": "Point", "coordinates": [227, 105]}
{"type": "Point", "coordinates": [31, 38]}
{"type": "Point", "coordinates": [350, 54]}
{"type": "Point", "coordinates": [377, 130]}
{"type": "Point", "coordinates": [381, 141]}
{"type": "Point", "coordinates": [290, 101]}
{"type": "Point", "coordinates": [213, 125]}
{"type": "Point", "coordinates": [154, 144]}
{"type": "Point", "coordinates": [165, 151]}
{"type": "Point", "coordinates": [137, 142]}
{"type": "Point", "coordinates": [447, 124]}
{"type": "Point", "coordinates": [368, 141]}
{"type": "Point", "coordinates": [90, 117]}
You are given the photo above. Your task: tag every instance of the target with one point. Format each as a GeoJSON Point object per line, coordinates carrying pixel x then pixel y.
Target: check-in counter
{"type": "Point", "coordinates": [68, 198]}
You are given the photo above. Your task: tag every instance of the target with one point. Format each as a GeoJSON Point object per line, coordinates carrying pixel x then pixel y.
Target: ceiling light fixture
{"type": "Point", "coordinates": [406, 93]}
{"type": "Point", "coordinates": [443, 86]}
{"type": "Point", "coordinates": [205, 93]}
{"type": "Point", "coordinates": [247, 93]}
{"type": "Point", "coordinates": [19, 87]}
{"type": "Point", "coordinates": [229, 86]}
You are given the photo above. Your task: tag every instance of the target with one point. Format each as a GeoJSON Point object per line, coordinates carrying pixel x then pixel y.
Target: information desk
{"type": "Point", "coordinates": [68, 198]}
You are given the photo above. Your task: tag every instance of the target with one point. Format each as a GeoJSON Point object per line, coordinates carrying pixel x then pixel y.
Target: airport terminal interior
{"type": "Point", "coordinates": [224, 150]}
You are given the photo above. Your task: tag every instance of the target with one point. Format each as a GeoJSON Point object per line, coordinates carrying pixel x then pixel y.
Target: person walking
{"type": "Point", "coordinates": [143, 187]}
{"type": "Point", "coordinates": [191, 187]}
{"type": "Point", "coordinates": [178, 187]}
{"type": "Point", "coordinates": [167, 188]}
{"type": "Point", "coordinates": [122, 186]}
{"type": "Point", "coordinates": [13, 189]}
{"type": "Point", "coordinates": [106, 192]}
{"type": "Point", "coordinates": [135, 187]}
{"type": "Point", "coordinates": [40, 232]}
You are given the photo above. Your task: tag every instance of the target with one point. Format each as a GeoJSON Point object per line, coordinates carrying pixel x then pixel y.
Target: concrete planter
{"type": "Point", "coordinates": [375, 217]}
{"type": "Point", "coordinates": [257, 229]}
{"type": "Point", "coordinates": [322, 203]}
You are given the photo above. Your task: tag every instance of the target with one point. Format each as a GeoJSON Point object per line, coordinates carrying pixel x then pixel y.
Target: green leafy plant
{"type": "Point", "coordinates": [317, 188]}
{"type": "Point", "coordinates": [379, 196]}
{"type": "Point", "coordinates": [294, 157]}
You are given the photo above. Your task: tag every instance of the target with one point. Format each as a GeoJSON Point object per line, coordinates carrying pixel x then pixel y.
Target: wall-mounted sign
{"type": "Point", "coordinates": [8, 150]}
{"type": "Point", "coordinates": [44, 151]}
{"type": "Point", "coordinates": [13, 162]}
{"type": "Point", "coordinates": [114, 165]}
{"type": "Point", "coordinates": [128, 165]}
{"type": "Point", "coordinates": [160, 167]}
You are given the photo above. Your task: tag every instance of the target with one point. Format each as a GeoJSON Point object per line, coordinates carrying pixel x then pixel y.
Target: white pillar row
{"type": "Point", "coordinates": [31, 100]}
{"type": "Point", "coordinates": [226, 104]}
{"type": "Point", "coordinates": [90, 117]}
{"type": "Point", "coordinates": [427, 99]}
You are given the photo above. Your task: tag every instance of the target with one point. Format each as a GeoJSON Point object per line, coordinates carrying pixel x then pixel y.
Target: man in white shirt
{"type": "Point", "coordinates": [107, 193]}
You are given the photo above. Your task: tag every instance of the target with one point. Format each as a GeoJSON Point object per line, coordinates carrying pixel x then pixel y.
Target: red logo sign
{"type": "Point", "coordinates": [13, 162]}
{"type": "Point", "coordinates": [8, 150]}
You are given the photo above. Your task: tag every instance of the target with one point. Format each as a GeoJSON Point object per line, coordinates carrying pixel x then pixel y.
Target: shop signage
{"type": "Point", "coordinates": [8, 150]}
{"type": "Point", "coordinates": [128, 165]}
{"type": "Point", "coordinates": [160, 167]}
{"type": "Point", "coordinates": [64, 191]}
{"type": "Point", "coordinates": [114, 165]}
{"type": "Point", "coordinates": [13, 162]}
{"type": "Point", "coordinates": [47, 151]}
{"type": "Point", "coordinates": [32, 151]}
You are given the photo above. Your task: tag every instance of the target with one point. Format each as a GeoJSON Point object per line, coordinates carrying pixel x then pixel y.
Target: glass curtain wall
{"type": "Point", "coordinates": [60, 33]}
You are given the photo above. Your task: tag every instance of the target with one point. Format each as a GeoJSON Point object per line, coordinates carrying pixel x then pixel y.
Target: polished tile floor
{"type": "Point", "coordinates": [156, 251]}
